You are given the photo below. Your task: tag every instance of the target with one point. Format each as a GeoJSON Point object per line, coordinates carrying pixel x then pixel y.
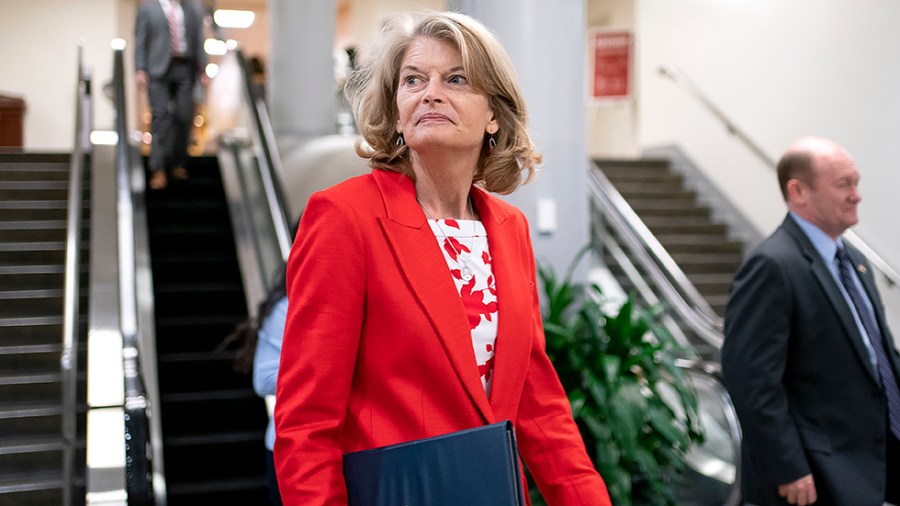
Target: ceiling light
{"type": "Point", "coordinates": [233, 19]}
{"type": "Point", "coordinates": [215, 47]}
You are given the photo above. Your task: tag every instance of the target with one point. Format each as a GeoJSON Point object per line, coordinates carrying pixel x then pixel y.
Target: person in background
{"type": "Point", "coordinates": [808, 358]}
{"type": "Point", "coordinates": [257, 343]}
{"type": "Point", "coordinates": [169, 59]}
{"type": "Point", "coordinates": [413, 307]}
{"type": "Point", "coordinates": [257, 70]}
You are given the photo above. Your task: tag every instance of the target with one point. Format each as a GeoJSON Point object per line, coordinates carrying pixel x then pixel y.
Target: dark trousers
{"type": "Point", "coordinates": [272, 480]}
{"type": "Point", "coordinates": [172, 108]}
{"type": "Point", "coordinates": [892, 491]}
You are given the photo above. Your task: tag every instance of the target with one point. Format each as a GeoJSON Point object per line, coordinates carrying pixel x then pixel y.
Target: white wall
{"type": "Point", "coordinates": [39, 61]}
{"type": "Point", "coordinates": [611, 127]}
{"type": "Point", "coordinates": [779, 70]}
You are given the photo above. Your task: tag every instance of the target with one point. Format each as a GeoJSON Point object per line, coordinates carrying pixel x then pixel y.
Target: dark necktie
{"type": "Point", "coordinates": [888, 379]}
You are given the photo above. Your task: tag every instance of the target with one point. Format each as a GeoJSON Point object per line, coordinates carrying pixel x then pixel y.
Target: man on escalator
{"type": "Point", "coordinates": [169, 59]}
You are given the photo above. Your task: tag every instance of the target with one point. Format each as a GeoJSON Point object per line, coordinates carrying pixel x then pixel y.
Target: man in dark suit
{"type": "Point", "coordinates": [169, 58]}
{"type": "Point", "coordinates": [808, 358]}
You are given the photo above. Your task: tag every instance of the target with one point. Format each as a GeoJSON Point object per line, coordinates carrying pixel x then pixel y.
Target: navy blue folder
{"type": "Point", "coordinates": [474, 467]}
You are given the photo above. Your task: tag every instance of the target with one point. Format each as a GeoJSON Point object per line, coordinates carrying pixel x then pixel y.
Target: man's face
{"type": "Point", "coordinates": [832, 198]}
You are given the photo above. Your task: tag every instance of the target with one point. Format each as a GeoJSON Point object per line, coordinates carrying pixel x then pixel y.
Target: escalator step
{"type": "Point", "coordinates": [190, 414]}
{"type": "Point", "coordinates": [199, 372]}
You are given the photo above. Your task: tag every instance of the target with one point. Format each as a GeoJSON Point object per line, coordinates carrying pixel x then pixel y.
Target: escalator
{"type": "Point", "coordinates": [213, 424]}
{"type": "Point", "coordinates": [635, 260]}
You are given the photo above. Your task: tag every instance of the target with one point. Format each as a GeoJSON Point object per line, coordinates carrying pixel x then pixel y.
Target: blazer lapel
{"type": "Point", "coordinates": [423, 266]}
{"type": "Point", "coordinates": [515, 326]}
{"type": "Point", "coordinates": [826, 281]}
{"type": "Point", "coordinates": [864, 273]}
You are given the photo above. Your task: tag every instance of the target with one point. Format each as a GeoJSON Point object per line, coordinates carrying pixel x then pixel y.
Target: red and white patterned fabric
{"type": "Point", "coordinates": [465, 243]}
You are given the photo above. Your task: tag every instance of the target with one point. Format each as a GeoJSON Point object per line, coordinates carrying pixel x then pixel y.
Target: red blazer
{"type": "Point", "coordinates": [377, 346]}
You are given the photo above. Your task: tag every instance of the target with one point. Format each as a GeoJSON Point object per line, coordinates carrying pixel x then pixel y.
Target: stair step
{"type": "Point", "coordinates": [651, 177]}
{"type": "Point", "coordinates": [648, 190]}
{"type": "Point", "coordinates": [686, 205]}
{"type": "Point", "coordinates": [34, 455]}
{"type": "Point", "coordinates": [712, 279]}
{"type": "Point", "coordinates": [30, 357]}
{"type": "Point", "coordinates": [691, 225]}
{"type": "Point", "coordinates": [644, 171]}
{"type": "Point", "coordinates": [32, 277]}
{"type": "Point", "coordinates": [31, 419]}
{"type": "Point", "coordinates": [43, 171]}
{"type": "Point", "coordinates": [14, 484]}
{"type": "Point", "coordinates": [37, 386]}
{"type": "Point", "coordinates": [32, 191]}
{"type": "Point", "coordinates": [36, 330]}
{"type": "Point", "coordinates": [39, 209]}
{"type": "Point", "coordinates": [6, 226]}
{"type": "Point", "coordinates": [21, 235]}
{"type": "Point", "coordinates": [32, 303]}
{"type": "Point", "coordinates": [683, 243]}
{"type": "Point", "coordinates": [21, 446]}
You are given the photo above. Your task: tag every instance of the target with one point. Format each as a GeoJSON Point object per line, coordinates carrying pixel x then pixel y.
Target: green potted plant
{"type": "Point", "coordinates": [635, 407]}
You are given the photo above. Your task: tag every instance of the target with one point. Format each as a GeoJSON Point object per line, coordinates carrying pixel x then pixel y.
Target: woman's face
{"type": "Point", "coordinates": [437, 106]}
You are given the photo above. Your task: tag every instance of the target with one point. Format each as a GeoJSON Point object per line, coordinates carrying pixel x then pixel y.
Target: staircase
{"type": "Point", "coordinates": [213, 423]}
{"type": "Point", "coordinates": [685, 228]}
{"type": "Point", "coordinates": [33, 213]}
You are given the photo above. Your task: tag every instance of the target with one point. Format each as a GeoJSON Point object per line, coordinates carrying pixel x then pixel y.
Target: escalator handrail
{"type": "Point", "coordinates": [709, 372]}
{"type": "Point", "coordinates": [271, 170]}
{"type": "Point", "coordinates": [69, 355]}
{"type": "Point", "coordinates": [656, 261]}
{"type": "Point", "coordinates": [139, 487]}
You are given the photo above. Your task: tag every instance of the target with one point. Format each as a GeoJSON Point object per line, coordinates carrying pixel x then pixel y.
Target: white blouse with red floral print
{"type": "Point", "coordinates": [465, 247]}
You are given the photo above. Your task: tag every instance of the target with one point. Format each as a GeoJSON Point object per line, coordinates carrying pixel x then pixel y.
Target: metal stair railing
{"type": "Point", "coordinates": [658, 279]}
{"type": "Point", "coordinates": [69, 356]}
{"type": "Point", "coordinates": [678, 76]}
{"type": "Point", "coordinates": [664, 273]}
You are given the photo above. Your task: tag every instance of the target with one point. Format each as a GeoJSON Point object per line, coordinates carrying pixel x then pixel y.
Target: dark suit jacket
{"type": "Point", "coordinates": [798, 372]}
{"type": "Point", "coordinates": [153, 44]}
{"type": "Point", "coordinates": [378, 349]}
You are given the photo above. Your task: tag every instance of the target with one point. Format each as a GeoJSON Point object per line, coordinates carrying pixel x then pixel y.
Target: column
{"type": "Point", "coordinates": [546, 41]}
{"type": "Point", "coordinates": [301, 72]}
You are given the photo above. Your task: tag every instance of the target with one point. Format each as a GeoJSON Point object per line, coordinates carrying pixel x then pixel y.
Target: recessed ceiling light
{"type": "Point", "coordinates": [233, 19]}
{"type": "Point", "coordinates": [215, 47]}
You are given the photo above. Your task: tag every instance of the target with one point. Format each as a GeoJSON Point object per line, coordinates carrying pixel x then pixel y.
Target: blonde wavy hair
{"type": "Point", "coordinates": [372, 92]}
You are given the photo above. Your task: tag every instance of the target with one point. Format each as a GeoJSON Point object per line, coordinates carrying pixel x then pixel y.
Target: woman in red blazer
{"type": "Point", "coordinates": [413, 303]}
